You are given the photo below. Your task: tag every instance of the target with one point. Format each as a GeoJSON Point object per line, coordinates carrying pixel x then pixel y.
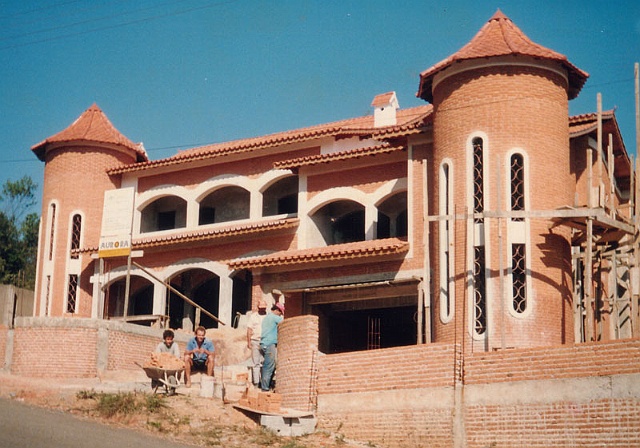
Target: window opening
{"type": "Point", "coordinates": [478, 179]}
{"type": "Point", "coordinates": [76, 229]}
{"type": "Point", "coordinates": [517, 184]}
{"type": "Point", "coordinates": [52, 230]}
{"type": "Point", "coordinates": [519, 278]}
{"type": "Point", "coordinates": [373, 334]}
{"type": "Point", "coordinates": [480, 302]}
{"type": "Point", "coordinates": [72, 291]}
{"type": "Point", "coordinates": [445, 236]}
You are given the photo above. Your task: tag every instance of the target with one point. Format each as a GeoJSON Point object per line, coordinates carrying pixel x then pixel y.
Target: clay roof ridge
{"type": "Point", "coordinates": [499, 36]}
{"type": "Point", "coordinates": [92, 125]}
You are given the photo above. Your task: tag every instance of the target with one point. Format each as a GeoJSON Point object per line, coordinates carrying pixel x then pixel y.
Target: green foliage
{"type": "Point", "coordinates": [110, 405]}
{"type": "Point", "coordinates": [18, 236]}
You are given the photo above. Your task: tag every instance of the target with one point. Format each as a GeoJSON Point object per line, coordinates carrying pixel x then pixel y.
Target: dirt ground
{"type": "Point", "coordinates": [184, 417]}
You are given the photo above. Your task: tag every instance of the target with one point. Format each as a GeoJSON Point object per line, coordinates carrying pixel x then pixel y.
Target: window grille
{"type": "Point", "coordinates": [517, 184]}
{"type": "Point", "coordinates": [519, 278]}
{"type": "Point", "coordinates": [478, 179]}
{"type": "Point", "coordinates": [72, 293]}
{"type": "Point", "coordinates": [480, 295]}
{"type": "Point", "coordinates": [76, 229]}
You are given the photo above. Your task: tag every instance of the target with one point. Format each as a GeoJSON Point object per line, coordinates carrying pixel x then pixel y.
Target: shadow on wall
{"type": "Point", "coordinates": [14, 302]}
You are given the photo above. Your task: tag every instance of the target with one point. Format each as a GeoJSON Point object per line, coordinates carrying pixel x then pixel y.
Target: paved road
{"type": "Point", "coordinates": [23, 426]}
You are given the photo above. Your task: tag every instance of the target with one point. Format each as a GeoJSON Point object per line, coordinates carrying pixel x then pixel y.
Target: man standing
{"type": "Point", "coordinates": [198, 355]}
{"type": "Point", "coordinates": [254, 331]}
{"type": "Point", "coordinates": [269, 344]}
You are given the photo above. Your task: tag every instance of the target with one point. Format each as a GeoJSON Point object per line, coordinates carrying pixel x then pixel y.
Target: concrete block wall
{"type": "Point", "coordinates": [4, 334]}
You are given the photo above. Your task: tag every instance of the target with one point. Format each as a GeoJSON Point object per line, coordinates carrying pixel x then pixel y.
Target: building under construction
{"type": "Point", "coordinates": [488, 219]}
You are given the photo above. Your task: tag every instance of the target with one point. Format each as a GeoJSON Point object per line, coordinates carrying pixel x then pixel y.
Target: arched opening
{"type": "Point", "coordinates": [241, 296]}
{"type": "Point", "coordinates": [281, 197]}
{"type": "Point", "coordinates": [392, 216]}
{"type": "Point", "coordinates": [224, 204]}
{"type": "Point", "coordinates": [202, 287]}
{"type": "Point", "coordinates": [140, 298]}
{"type": "Point", "coordinates": [340, 222]}
{"type": "Point", "coordinates": [166, 213]}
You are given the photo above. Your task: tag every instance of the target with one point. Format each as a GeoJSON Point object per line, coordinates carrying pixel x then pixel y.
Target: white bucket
{"type": "Point", "coordinates": [206, 386]}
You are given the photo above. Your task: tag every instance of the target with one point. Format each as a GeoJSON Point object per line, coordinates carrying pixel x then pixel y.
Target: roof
{"type": "Point", "coordinates": [91, 126]}
{"type": "Point", "coordinates": [409, 121]}
{"type": "Point", "coordinates": [585, 124]}
{"type": "Point", "coordinates": [383, 99]}
{"type": "Point", "coordinates": [337, 156]}
{"type": "Point", "coordinates": [209, 234]}
{"type": "Point", "coordinates": [357, 250]}
{"type": "Point", "coordinates": [500, 37]}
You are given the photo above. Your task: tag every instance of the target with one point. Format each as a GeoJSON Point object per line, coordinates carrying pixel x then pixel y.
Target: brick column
{"type": "Point", "coordinates": [296, 370]}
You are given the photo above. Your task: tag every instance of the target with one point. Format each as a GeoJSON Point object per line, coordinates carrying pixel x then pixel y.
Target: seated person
{"type": "Point", "coordinates": [168, 345]}
{"type": "Point", "coordinates": [198, 355]}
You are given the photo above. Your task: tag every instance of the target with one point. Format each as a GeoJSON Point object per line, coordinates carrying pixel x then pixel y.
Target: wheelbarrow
{"type": "Point", "coordinates": [170, 379]}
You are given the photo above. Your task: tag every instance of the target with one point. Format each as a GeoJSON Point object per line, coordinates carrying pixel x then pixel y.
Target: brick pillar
{"type": "Point", "coordinates": [296, 370]}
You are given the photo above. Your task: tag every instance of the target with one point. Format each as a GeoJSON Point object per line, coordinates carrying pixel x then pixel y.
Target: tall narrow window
{"type": "Point", "coordinates": [517, 234]}
{"type": "Point", "coordinates": [479, 291]}
{"type": "Point", "coordinates": [478, 178]}
{"type": "Point", "coordinates": [52, 230]}
{"type": "Point", "coordinates": [76, 230]}
{"type": "Point", "coordinates": [517, 184]}
{"type": "Point", "coordinates": [445, 236]}
{"type": "Point", "coordinates": [72, 291]}
{"type": "Point", "coordinates": [479, 261]}
{"type": "Point", "coordinates": [519, 278]}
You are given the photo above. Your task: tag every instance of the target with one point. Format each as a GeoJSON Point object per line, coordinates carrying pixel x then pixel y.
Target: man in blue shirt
{"type": "Point", "coordinates": [269, 344]}
{"type": "Point", "coordinates": [198, 355]}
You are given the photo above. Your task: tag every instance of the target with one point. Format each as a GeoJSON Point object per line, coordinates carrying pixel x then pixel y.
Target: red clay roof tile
{"type": "Point", "coordinates": [342, 155]}
{"type": "Point", "coordinates": [408, 121]}
{"type": "Point", "coordinates": [361, 249]}
{"type": "Point", "coordinates": [94, 126]}
{"type": "Point", "coordinates": [500, 37]}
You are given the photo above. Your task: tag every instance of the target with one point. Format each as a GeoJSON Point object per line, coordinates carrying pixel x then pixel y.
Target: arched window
{"type": "Point", "coordinates": [76, 232]}
{"type": "Point", "coordinates": [479, 262]}
{"type": "Point", "coordinates": [517, 233]}
{"type": "Point", "coordinates": [52, 229]}
{"type": "Point", "coordinates": [445, 236]}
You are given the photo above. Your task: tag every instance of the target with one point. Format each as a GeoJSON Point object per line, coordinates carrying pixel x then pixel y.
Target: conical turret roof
{"type": "Point", "coordinates": [500, 37]}
{"type": "Point", "coordinates": [92, 126]}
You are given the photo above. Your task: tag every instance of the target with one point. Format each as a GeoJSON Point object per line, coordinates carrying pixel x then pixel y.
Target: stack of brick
{"type": "Point", "coordinates": [269, 402]}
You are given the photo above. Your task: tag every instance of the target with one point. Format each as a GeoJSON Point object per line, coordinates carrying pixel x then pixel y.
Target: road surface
{"type": "Point", "coordinates": [24, 426]}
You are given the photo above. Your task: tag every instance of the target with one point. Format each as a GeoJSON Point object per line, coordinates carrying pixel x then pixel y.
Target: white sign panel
{"type": "Point", "coordinates": [117, 217]}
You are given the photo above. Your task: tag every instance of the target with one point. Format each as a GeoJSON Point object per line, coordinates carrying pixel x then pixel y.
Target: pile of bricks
{"type": "Point", "coordinates": [261, 401]}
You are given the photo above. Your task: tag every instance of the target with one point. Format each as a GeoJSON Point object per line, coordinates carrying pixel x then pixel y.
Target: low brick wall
{"type": "Point", "coordinates": [566, 361]}
{"type": "Point", "coordinates": [400, 396]}
{"type": "Point", "coordinates": [78, 347]}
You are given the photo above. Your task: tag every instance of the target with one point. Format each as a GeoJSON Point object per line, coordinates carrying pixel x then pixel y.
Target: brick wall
{"type": "Point", "coordinates": [573, 361]}
{"type": "Point", "coordinates": [126, 348]}
{"type": "Point", "coordinates": [78, 348]}
{"type": "Point", "coordinates": [55, 351]}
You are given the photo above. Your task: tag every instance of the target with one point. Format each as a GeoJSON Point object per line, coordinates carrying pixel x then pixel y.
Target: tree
{"type": "Point", "coordinates": [18, 236]}
{"type": "Point", "coordinates": [18, 197]}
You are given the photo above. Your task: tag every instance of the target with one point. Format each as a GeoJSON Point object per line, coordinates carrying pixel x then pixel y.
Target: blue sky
{"type": "Point", "coordinates": [174, 74]}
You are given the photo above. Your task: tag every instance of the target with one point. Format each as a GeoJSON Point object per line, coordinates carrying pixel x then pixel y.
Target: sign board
{"type": "Point", "coordinates": [117, 219]}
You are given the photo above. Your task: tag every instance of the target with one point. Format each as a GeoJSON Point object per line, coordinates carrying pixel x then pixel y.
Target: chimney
{"type": "Point", "coordinates": [384, 109]}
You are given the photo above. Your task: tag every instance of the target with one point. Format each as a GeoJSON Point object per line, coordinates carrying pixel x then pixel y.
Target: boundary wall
{"type": "Point", "coordinates": [425, 395]}
{"type": "Point", "coordinates": [433, 395]}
